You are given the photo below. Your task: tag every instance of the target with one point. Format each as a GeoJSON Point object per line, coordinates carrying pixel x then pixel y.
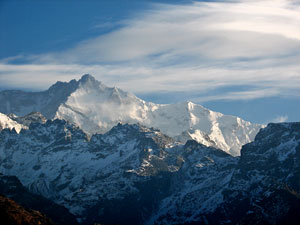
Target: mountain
{"type": "Point", "coordinates": [96, 108]}
{"type": "Point", "coordinates": [146, 177]}
{"type": "Point", "coordinates": [47, 102]}
{"type": "Point", "coordinates": [131, 170]}
{"type": "Point", "coordinates": [6, 122]}
{"type": "Point", "coordinates": [11, 187]}
{"type": "Point", "coordinates": [265, 186]}
{"type": "Point", "coordinates": [60, 162]}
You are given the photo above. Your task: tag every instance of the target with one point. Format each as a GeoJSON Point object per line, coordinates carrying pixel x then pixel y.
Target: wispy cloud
{"type": "Point", "coordinates": [197, 47]}
{"type": "Point", "coordinates": [191, 34]}
{"type": "Point", "coordinates": [240, 95]}
{"type": "Point", "coordinates": [280, 119]}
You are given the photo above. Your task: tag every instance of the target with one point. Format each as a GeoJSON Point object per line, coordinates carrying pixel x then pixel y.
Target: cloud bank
{"type": "Point", "coordinates": [188, 48]}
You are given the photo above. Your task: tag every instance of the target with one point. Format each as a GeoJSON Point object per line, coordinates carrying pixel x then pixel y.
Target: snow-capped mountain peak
{"type": "Point", "coordinates": [96, 108]}
{"type": "Point", "coordinates": [89, 82]}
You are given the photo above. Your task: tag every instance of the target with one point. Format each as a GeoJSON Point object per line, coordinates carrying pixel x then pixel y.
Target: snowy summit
{"type": "Point", "coordinates": [96, 108]}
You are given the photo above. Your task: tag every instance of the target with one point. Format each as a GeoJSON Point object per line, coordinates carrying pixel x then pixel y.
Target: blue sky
{"type": "Point", "coordinates": [237, 57]}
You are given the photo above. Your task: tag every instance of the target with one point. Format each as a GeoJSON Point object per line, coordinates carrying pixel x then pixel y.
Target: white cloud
{"type": "Point", "coordinates": [210, 31]}
{"type": "Point", "coordinates": [280, 119]}
{"type": "Point", "coordinates": [143, 79]}
{"type": "Point", "coordinates": [240, 95]}
{"type": "Point", "coordinates": [197, 47]}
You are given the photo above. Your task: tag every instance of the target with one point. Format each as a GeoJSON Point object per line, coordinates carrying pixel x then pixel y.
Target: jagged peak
{"type": "Point", "coordinates": [62, 128]}
{"type": "Point", "coordinates": [87, 78]}
{"type": "Point", "coordinates": [193, 145]}
{"type": "Point", "coordinates": [26, 120]}
{"type": "Point", "coordinates": [124, 127]}
{"type": "Point", "coordinates": [60, 84]}
{"type": "Point", "coordinates": [87, 81]}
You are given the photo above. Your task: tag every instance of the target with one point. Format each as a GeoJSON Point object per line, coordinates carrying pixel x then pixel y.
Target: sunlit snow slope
{"type": "Point", "coordinates": [97, 108]}
{"type": "Point", "coordinates": [6, 122]}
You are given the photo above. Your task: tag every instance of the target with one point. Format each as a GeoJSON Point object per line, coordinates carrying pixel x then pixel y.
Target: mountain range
{"type": "Point", "coordinates": [96, 108]}
{"type": "Point", "coordinates": [146, 177]}
{"type": "Point", "coordinates": [108, 157]}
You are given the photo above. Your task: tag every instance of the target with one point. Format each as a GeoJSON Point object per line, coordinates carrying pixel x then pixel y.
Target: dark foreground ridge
{"type": "Point", "coordinates": [12, 213]}
{"type": "Point", "coordinates": [11, 187]}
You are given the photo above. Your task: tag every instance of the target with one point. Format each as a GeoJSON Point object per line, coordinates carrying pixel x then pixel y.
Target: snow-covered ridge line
{"type": "Point", "coordinates": [33, 117]}
{"type": "Point", "coordinates": [57, 160]}
{"type": "Point", "coordinates": [96, 108]}
{"type": "Point", "coordinates": [130, 163]}
{"type": "Point", "coordinates": [8, 123]}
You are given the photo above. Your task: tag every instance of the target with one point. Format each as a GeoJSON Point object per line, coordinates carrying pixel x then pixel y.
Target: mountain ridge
{"type": "Point", "coordinates": [96, 108]}
{"type": "Point", "coordinates": [7, 123]}
{"type": "Point", "coordinates": [149, 178]}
